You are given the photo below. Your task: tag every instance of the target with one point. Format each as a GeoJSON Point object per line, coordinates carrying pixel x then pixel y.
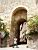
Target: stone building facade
{"type": "Point", "coordinates": [10, 11]}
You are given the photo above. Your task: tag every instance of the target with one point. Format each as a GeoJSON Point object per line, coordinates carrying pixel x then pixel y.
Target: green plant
{"type": "Point", "coordinates": [33, 24]}
{"type": "Point", "coordinates": [6, 33]}
{"type": "Point", "coordinates": [3, 28]}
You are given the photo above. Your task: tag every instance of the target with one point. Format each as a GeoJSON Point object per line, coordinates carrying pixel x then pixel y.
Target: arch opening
{"type": "Point", "coordinates": [18, 33]}
{"type": "Point", "coordinates": [19, 16]}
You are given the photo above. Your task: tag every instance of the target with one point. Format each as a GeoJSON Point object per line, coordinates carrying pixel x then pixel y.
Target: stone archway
{"type": "Point", "coordinates": [18, 13]}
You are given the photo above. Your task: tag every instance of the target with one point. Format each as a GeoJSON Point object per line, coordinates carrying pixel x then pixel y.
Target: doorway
{"type": "Point", "coordinates": [19, 16]}
{"type": "Point", "coordinates": [21, 39]}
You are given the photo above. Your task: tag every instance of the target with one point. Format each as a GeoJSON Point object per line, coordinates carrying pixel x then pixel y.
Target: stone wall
{"type": "Point", "coordinates": [32, 42]}
{"type": "Point", "coordinates": [7, 7]}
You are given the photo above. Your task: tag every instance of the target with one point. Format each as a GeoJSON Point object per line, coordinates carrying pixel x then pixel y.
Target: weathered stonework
{"type": "Point", "coordinates": [8, 7]}
{"type": "Point", "coordinates": [32, 41]}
